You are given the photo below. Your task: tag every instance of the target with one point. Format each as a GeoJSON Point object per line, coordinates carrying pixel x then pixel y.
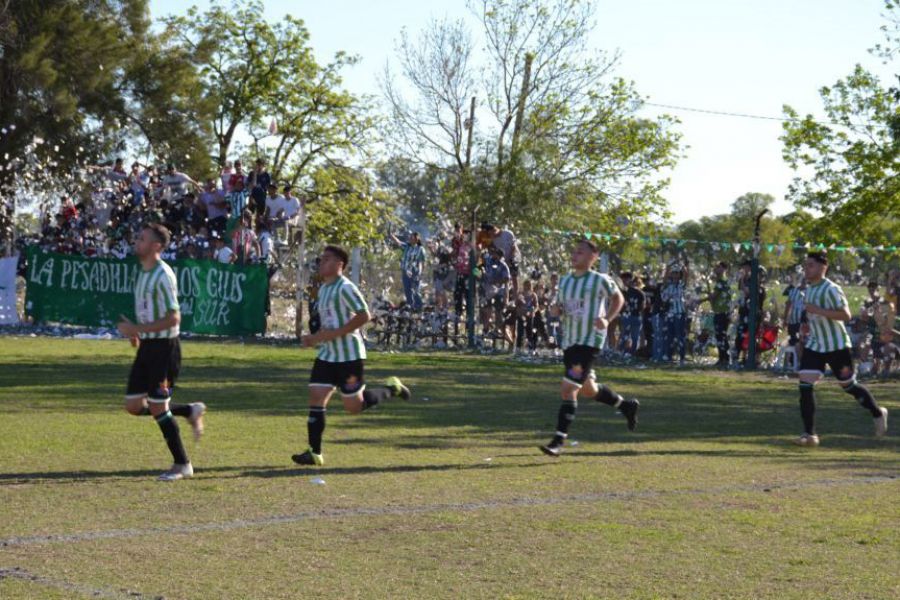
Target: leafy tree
{"type": "Point", "coordinates": [555, 143]}
{"type": "Point", "coordinates": [853, 155]}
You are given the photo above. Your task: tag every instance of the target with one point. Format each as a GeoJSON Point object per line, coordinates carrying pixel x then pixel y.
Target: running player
{"type": "Point", "coordinates": [828, 344]}
{"type": "Point", "coordinates": [342, 353]}
{"type": "Point", "coordinates": [158, 359]}
{"type": "Point", "coordinates": [581, 300]}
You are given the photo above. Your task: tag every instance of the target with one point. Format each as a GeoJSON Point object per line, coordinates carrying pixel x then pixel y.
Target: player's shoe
{"type": "Point", "coordinates": [309, 458]}
{"type": "Point", "coordinates": [808, 440]}
{"type": "Point", "coordinates": [397, 388]}
{"type": "Point", "coordinates": [629, 409]}
{"type": "Point", "coordinates": [881, 425]}
{"type": "Point", "coordinates": [551, 449]}
{"type": "Point", "coordinates": [198, 409]}
{"type": "Point", "coordinates": [177, 472]}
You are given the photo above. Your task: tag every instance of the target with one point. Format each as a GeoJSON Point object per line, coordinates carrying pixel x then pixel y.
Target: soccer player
{"type": "Point", "coordinates": [158, 359]}
{"type": "Point", "coordinates": [342, 353]}
{"type": "Point", "coordinates": [828, 344]}
{"type": "Point", "coordinates": [581, 301]}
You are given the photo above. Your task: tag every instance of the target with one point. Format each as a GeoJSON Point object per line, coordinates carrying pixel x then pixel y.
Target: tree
{"type": "Point", "coordinates": [852, 155]}
{"type": "Point", "coordinates": [62, 64]}
{"type": "Point", "coordinates": [253, 71]}
{"type": "Point", "coordinates": [556, 142]}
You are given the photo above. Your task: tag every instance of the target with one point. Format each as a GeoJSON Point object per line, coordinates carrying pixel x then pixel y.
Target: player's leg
{"type": "Point", "coordinates": [841, 363]}
{"type": "Point", "coordinates": [138, 385]}
{"type": "Point", "coordinates": [812, 366]}
{"type": "Point", "coordinates": [605, 395]}
{"type": "Point", "coordinates": [321, 385]}
{"type": "Point", "coordinates": [576, 360]}
{"type": "Point", "coordinates": [158, 398]}
{"type": "Point", "coordinates": [359, 397]}
{"type": "Point", "coordinates": [194, 411]}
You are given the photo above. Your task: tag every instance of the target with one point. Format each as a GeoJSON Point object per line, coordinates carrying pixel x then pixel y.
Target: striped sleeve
{"type": "Point", "coordinates": [837, 297]}
{"type": "Point", "coordinates": [608, 285]}
{"type": "Point", "coordinates": [166, 288]}
{"type": "Point", "coordinates": [352, 299]}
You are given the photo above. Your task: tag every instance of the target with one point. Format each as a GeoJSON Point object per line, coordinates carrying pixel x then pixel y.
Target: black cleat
{"type": "Point", "coordinates": [308, 458]}
{"type": "Point", "coordinates": [551, 450]}
{"type": "Point", "coordinates": [629, 410]}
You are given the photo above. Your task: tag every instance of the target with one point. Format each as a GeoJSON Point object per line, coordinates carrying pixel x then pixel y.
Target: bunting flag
{"type": "Point", "coordinates": [777, 248]}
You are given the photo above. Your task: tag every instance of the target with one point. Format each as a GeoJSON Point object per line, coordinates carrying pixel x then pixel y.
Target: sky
{"type": "Point", "coordinates": [738, 56]}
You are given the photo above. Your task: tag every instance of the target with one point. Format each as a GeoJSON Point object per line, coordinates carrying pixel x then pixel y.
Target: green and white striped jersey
{"type": "Point", "coordinates": [583, 299]}
{"type": "Point", "coordinates": [826, 335]}
{"type": "Point", "coordinates": [155, 294]}
{"type": "Point", "coordinates": [339, 302]}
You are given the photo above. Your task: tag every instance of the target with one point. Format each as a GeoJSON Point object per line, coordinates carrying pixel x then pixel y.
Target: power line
{"type": "Point", "coordinates": [723, 113]}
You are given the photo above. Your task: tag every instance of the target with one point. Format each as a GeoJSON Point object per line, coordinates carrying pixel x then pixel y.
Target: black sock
{"type": "Point", "coordinates": [564, 419]}
{"type": "Point", "coordinates": [607, 396]}
{"type": "Point", "coordinates": [173, 439]}
{"type": "Point", "coordinates": [180, 410]}
{"type": "Point", "coordinates": [371, 397]}
{"type": "Point", "coordinates": [144, 411]}
{"type": "Point", "coordinates": [315, 426]}
{"type": "Point", "coordinates": [864, 397]}
{"type": "Point", "coordinates": [808, 407]}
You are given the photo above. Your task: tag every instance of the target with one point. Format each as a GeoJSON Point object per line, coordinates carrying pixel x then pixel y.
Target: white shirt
{"type": "Point", "coordinates": [176, 182]}
{"type": "Point", "coordinates": [224, 254]}
{"type": "Point", "coordinates": [274, 204]}
{"type": "Point", "coordinates": [292, 208]}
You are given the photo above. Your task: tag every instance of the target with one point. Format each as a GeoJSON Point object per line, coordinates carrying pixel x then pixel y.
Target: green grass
{"type": "Point", "coordinates": [706, 500]}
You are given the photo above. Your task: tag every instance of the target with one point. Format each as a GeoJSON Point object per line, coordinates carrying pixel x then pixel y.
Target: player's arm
{"type": "Point", "coordinates": [616, 301]}
{"type": "Point", "coordinates": [326, 335]}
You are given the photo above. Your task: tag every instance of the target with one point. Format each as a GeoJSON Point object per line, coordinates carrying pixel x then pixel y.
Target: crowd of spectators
{"type": "Point", "coordinates": [232, 217]}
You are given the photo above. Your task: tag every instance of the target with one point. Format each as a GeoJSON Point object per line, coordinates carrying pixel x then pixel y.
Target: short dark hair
{"type": "Point", "coordinates": [819, 256]}
{"type": "Point", "coordinates": [160, 232]}
{"type": "Point", "coordinates": [722, 264]}
{"type": "Point", "coordinates": [338, 252]}
{"type": "Point", "coordinates": [873, 284]}
{"type": "Point", "coordinates": [595, 249]}
{"type": "Point", "coordinates": [625, 275]}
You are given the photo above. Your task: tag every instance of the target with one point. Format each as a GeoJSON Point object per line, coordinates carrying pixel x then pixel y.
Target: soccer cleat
{"type": "Point", "coordinates": [808, 440]}
{"type": "Point", "coordinates": [397, 388]}
{"type": "Point", "coordinates": [309, 458]}
{"type": "Point", "coordinates": [881, 425]}
{"type": "Point", "coordinates": [551, 450]}
{"type": "Point", "coordinates": [177, 472]}
{"type": "Point", "coordinates": [198, 409]}
{"type": "Point", "coordinates": [629, 409]}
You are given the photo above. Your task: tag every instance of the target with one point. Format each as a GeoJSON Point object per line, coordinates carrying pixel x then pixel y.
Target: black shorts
{"type": "Point", "coordinates": [348, 376]}
{"type": "Point", "coordinates": [155, 369]}
{"type": "Point", "coordinates": [793, 333]}
{"type": "Point", "coordinates": [579, 360]}
{"type": "Point", "coordinates": [513, 267]}
{"type": "Point", "coordinates": [840, 361]}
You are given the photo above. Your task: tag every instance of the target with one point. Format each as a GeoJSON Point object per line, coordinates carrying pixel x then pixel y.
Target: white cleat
{"type": "Point", "coordinates": [177, 472]}
{"type": "Point", "coordinates": [807, 440]}
{"type": "Point", "coordinates": [198, 409]}
{"type": "Point", "coordinates": [881, 423]}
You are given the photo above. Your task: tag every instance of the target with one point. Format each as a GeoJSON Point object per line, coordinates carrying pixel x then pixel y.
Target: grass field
{"type": "Point", "coordinates": [444, 498]}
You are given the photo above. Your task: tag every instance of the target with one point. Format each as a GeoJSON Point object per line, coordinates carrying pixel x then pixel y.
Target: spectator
{"type": "Point", "coordinates": [243, 240]}
{"type": "Point", "coordinates": [496, 279]}
{"type": "Point", "coordinates": [526, 309]}
{"type": "Point", "coordinates": [176, 182]}
{"type": "Point", "coordinates": [259, 181]}
{"type": "Point", "coordinates": [216, 207]}
{"type": "Point", "coordinates": [411, 264]}
{"type": "Point", "coordinates": [461, 250]}
{"type": "Point", "coordinates": [225, 177]}
{"type": "Point", "coordinates": [720, 302]}
{"type": "Point", "coordinates": [676, 314]}
{"type": "Point", "coordinates": [632, 314]}
{"type": "Point", "coordinates": [506, 242]}
{"type": "Point", "coordinates": [223, 253]}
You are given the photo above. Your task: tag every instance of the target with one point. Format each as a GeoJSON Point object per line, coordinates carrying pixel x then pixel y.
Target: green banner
{"type": "Point", "coordinates": [215, 298]}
